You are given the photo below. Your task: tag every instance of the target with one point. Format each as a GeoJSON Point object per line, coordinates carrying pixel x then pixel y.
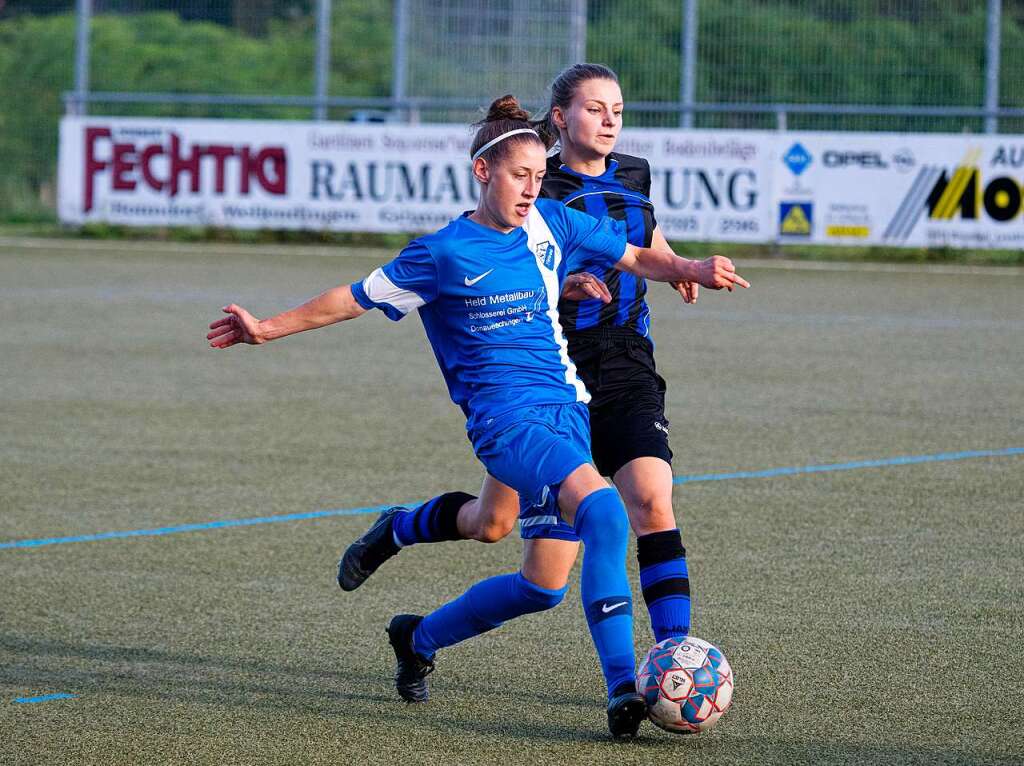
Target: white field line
{"type": "Point", "coordinates": [339, 251]}
{"type": "Point", "coordinates": [190, 248]}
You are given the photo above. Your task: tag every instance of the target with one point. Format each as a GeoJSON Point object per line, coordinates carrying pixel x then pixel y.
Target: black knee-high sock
{"type": "Point", "coordinates": [665, 582]}
{"type": "Point", "coordinates": [432, 522]}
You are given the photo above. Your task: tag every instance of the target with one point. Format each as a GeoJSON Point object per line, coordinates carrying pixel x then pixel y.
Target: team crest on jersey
{"type": "Point", "coordinates": [545, 252]}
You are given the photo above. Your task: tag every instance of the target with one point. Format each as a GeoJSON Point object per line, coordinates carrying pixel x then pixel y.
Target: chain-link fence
{"type": "Point", "coordinates": [457, 50]}
{"type": "Point", "coordinates": [882, 65]}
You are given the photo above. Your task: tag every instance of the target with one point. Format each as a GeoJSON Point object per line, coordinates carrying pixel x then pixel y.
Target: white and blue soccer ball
{"type": "Point", "coordinates": [687, 684]}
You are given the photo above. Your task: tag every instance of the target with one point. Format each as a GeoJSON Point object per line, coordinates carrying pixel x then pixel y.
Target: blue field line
{"type": "Point", "coordinates": [192, 527]}
{"type": "Point", "coordinates": [904, 460]}
{"type": "Point", "coordinates": [44, 698]}
{"type": "Point", "coordinates": [768, 473]}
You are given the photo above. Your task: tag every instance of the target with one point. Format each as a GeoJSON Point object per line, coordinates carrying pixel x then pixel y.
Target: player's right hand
{"type": "Point", "coordinates": [717, 272]}
{"type": "Point", "coordinates": [239, 326]}
{"type": "Point", "coordinates": [584, 285]}
{"type": "Point", "coordinates": [688, 291]}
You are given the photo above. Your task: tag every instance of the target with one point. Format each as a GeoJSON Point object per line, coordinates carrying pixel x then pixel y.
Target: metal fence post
{"type": "Point", "coordinates": [781, 123]}
{"type": "Point", "coordinates": [399, 54]}
{"type": "Point", "coordinates": [579, 31]}
{"type": "Point", "coordinates": [322, 64]}
{"type": "Point", "coordinates": [83, 15]}
{"type": "Point", "coordinates": [993, 40]}
{"type": "Point", "coordinates": [688, 73]}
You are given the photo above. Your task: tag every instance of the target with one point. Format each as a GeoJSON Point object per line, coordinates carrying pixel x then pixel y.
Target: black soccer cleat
{"type": "Point", "coordinates": [411, 670]}
{"type": "Point", "coordinates": [625, 714]}
{"type": "Point", "coordinates": [368, 552]}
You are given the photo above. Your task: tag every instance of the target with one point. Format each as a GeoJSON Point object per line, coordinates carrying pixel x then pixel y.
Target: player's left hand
{"type": "Point", "coordinates": [582, 286]}
{"type": "Point", "coordinates": [688, 291]}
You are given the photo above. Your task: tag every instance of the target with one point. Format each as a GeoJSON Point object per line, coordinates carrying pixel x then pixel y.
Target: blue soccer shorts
{"type": "Point", "coordinates": [533, 450]}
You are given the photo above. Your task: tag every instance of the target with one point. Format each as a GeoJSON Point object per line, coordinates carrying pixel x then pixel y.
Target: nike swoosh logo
{"type": "Point", "coordinates": [612, 607]}
{"type": "Point", "coordinates": [471, 282]}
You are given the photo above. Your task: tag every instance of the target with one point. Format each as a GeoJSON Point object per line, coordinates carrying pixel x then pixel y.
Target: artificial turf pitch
{"type": "Point", "coordinates": [872, 615]}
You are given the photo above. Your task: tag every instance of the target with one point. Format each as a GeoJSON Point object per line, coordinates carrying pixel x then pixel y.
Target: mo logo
{"type": "Point", "coordinates": [966, 195]}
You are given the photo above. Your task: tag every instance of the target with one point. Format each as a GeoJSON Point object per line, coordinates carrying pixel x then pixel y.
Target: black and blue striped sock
{"type": "Point", "coordinates": [432, 522]}
{"type": "Point", "coordinates": [665, 582]}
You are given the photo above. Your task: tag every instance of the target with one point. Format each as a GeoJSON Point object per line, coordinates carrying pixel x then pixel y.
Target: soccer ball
{"type": "Point", "coordinates": [687, 684]}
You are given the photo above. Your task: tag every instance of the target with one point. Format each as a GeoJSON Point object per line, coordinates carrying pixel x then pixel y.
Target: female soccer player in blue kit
{"type": "Point", "coordinates": [486, 287]}
{"type": "Point", "coordinates": [608, 341]}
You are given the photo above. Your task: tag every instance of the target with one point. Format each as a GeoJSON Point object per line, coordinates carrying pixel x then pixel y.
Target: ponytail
{"type": "Point", "coordinates": [506, 124]}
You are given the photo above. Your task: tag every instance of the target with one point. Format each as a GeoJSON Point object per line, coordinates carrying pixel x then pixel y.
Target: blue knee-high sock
{"type": "Point", "coordinates": [665, 582]}
{"type": "Point", "coordinates": [602, 525]}
{"type": "Point", "coordinates": [432, 522]}
{"type": "Point", "coordinates": [483, 607]}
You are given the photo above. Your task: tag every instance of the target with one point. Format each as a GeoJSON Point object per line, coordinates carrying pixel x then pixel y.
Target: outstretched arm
{"type": "Point", "coordinates": [660, 265]}
{"type": "Point", "coordinates": [239, 326]}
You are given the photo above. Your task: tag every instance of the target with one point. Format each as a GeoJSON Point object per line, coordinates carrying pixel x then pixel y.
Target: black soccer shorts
{"type": "Point", "coordinates": [627, 406]}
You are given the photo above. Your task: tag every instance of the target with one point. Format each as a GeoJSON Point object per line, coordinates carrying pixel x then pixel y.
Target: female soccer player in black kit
{"type": "Point", "coordinates": [608, 340]}
{"type": "Point", "coordinates": [610, 343]}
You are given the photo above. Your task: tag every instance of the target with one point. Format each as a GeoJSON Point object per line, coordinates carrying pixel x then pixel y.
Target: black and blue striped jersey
{"type": "Point", "coordinates": [622, 192]}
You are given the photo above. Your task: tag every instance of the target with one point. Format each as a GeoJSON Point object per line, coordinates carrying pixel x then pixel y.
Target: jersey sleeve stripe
{"type": "Point", "coordinates": [360, 295]}
{"type": "Point", "coordinates": [381, 291]}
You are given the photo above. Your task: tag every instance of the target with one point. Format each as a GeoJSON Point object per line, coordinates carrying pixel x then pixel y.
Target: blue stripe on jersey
{"type": "Point", "coordinates": [590, 310]}
{"type": "Point", "coordinates": [627, 294]}
{"type": "Point", "coordinates": [628, 287]}
{"type": "Point", "coordinates": [636, 229]}
{"type": "Point", "coordinates": [627, 282]}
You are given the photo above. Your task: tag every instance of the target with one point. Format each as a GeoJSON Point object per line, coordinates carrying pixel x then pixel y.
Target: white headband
{"type": "Point", "coordinates": [502, 137]}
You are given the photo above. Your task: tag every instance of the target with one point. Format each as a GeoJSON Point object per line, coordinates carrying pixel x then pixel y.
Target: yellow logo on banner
{"type": "Point", "coordinates": [960, 193]}
{"type": "Point", "coordinates": [796, 222]}
{"type": "Point", "coordinates": [848, 231]}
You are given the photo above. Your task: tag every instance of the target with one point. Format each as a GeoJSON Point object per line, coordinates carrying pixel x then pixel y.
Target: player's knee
{"type": "Point", "coordinates": [489, 523]}
{"type": "Point", "coordinates": [650, 512]}
{"type": "Point", "coordinates": [602, 513]}
{"type": "Point", "coordinates": [540, 599]}
{"type": "Point", "coordinates": [493, 530]}
{"type": "Point", "coordinates": [616, 523]}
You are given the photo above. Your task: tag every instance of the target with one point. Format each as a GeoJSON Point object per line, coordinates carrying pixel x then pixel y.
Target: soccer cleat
{"type": "Point", "coordinates": [411, 670]}
{"type": "Point", "coordinates": [625, 714]}
{"type": "Point", "coordinates": [362, 557]}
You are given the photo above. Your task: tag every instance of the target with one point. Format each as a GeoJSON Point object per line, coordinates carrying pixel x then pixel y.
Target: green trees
{"type": "Point", "coordinates": [160, 52]}
{"type": "Point", "coordinates": [923, 52]}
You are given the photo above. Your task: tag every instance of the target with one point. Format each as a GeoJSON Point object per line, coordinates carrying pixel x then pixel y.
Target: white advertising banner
{"type": "Point", "coordinates": [279, 175]}
{"type": "Point", "coordinates": [708, 185]}
{"type": "Point", "coordinates": [900, 190]}
{"type": "Point", "coordinates": [383, 178]}
{"type": "Point", "coordinates": [743, 186]}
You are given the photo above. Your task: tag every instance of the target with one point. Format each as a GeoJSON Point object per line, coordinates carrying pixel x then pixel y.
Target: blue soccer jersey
{"type": "Point", "coordinates": [488, 302]}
